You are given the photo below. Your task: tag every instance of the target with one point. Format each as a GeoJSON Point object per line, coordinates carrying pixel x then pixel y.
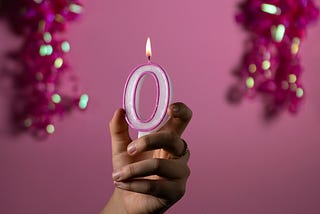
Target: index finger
{"type": "Point", "coordinates": [119, 132]}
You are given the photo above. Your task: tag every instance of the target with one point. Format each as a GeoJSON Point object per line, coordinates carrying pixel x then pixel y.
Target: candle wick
{"type": "Point", "coordinates": [149, 58]}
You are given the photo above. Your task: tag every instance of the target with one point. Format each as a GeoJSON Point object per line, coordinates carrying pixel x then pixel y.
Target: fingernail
{"type": "Point", "coordinates": [116, 175]}
{"type": "Point", "coordinates": [120, 185]}
{"type": "Point", "coordinates": [132, 148]}
{"type": "Point", "coordinates": [117, 184]}
{"type": "Point", "coordinates": [175, 108]}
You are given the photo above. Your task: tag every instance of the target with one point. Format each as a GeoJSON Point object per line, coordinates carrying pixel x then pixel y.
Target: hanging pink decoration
{"type": "Point", "coordinates": [43, 56]}
{"type": "Point", "coordinates": [271, 65]}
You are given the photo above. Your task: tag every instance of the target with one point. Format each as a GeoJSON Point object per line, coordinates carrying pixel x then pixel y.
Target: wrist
{"type": "Point", "coordinates": [115, 204]}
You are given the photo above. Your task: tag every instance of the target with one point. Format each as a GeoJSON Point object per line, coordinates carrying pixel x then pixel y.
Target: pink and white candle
{"type": "Point", "coordinates": [131, 96]}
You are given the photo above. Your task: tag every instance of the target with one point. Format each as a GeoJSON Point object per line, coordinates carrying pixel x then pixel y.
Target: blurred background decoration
{"type": "Point", "coordinates": [271, 65]}
{"type": "Point", "coordinates": [45, 87]}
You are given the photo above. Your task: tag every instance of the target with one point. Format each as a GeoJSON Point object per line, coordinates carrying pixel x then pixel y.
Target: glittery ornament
{"type": "Point", "coordinates": [271, 64]}
{"type": "Point", "coordinates": [43, 58]}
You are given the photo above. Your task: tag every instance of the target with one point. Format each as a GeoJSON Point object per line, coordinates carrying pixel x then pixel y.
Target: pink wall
{"type": "Point", "coordinates": [240, 164]}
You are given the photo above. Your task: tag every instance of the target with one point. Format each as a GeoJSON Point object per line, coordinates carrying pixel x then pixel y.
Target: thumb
{"type": "Point", "coordinates": [119, 132]}
{"type": "Point", "coordinates": [180, 116]}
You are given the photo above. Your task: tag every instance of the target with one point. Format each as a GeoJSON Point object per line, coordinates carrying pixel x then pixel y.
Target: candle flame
{"type": "Point", "coordinates": [148, 48]}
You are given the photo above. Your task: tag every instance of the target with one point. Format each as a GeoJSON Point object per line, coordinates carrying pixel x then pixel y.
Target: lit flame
{"type": "Point", "coordinates": [148, 49]}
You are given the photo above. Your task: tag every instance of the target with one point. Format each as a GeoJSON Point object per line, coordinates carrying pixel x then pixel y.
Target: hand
{"type": "Point", "coordinates": [149, 174]}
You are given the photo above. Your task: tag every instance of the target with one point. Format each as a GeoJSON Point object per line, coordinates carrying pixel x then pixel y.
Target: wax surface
{"type": "Point", "coordinates": [131, 98]}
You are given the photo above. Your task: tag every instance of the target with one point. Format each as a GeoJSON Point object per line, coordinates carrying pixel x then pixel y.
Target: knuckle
{"type": "Point", "coordinates": [131, 170]}
{"type": "Point", "coordinates": [156, 164]}
{"type": "Point", "coordinates": [172, 136]}
{"type": "Point", "coordinates": [129, 186]}
{"type": "Point", "coordinates": [151, 188]}
{"type": "Point", "coordinates": [146, 141]}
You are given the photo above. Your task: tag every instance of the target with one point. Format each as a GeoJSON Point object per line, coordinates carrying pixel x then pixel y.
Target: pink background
{"type": "Point", "coordinates": [240, 163]}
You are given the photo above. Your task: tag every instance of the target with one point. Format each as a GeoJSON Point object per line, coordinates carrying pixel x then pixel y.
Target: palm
{"type": "Point", "coordinates": [140, 203]}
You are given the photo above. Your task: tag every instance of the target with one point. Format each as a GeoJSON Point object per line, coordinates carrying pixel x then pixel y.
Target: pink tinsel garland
{"type": "Point", "coordinates": [43, 57]}
{"type": "Point", "coordinates": [271, 64]}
